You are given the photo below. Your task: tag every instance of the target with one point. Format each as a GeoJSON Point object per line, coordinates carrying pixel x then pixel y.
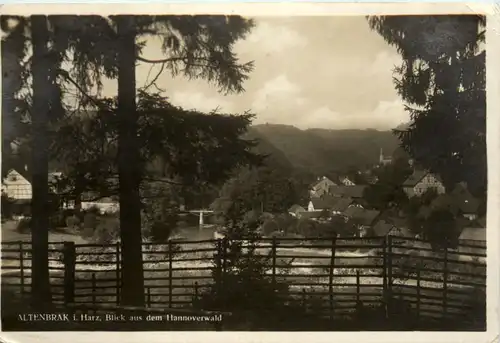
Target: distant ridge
{"type": "Point", "coordinates": [322, 151]}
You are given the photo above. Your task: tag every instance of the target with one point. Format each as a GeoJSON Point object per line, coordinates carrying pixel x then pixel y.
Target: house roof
{"type": "Point", "coordinates": [371, 179]}
{"type": "Point", "coordinates": [347, 191]}
{"type": "Point", "coordinates": [468, 206]}
{"type": "Point", "coordinates": [364, 216]}
{"type": "Point", "coordinates": [382, 228]}
{"type": "Point", "coordinates": [465, 201]}
{"type": "Point", "coordinates": [316, 183]}
{"type": "Point", "coordinates": [324, 203]}
{"type": "Point", "coordinates": [402, 232]}
{"type": "Point", "coordinates": [310, 214]}
{"type": "Point", "coordinates": [482, 221]}
{"type": "Point", "coordinates": [400, 223]}
{"type": "Point", "coordinates": [341, 204]}
{"type": "Point", "coordinates": [454, 202]}
{"type": "Point", "coordinates": [342, 178]}
{"type": "Point", "coordinates": [473, 234]}
{"type": "Point", "coordinates": [445, 201]}
{"type": "Point", "coordinates": [11, 171]}
{"type": "Point", "coordinates": [415, 178]}
{"type": "Point", "coordinates": [296, 208]}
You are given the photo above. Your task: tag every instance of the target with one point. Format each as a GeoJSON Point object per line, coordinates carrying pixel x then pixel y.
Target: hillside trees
{"type": "Point", "coordinates": [442, 79]}
{"type": "Point", "coordinates": [261, 189]}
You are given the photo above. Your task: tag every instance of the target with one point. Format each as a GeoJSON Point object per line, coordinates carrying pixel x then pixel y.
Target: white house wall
{"type": "Point", "coordinates": [16, 187]}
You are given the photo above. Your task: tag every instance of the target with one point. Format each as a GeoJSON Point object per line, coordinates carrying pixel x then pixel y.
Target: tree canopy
{"type": "Point", "coordinates": [442, 80]}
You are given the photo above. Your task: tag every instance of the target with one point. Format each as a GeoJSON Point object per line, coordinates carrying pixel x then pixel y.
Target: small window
{"type": "Point", "coordinates": [13, 178]}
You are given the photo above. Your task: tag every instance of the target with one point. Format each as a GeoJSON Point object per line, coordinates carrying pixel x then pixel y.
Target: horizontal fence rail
{"type": "Point", "coordinates": [334, 277]}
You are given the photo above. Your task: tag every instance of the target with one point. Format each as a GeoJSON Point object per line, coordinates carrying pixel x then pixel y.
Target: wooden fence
{"type": "Point", "coordinates": [331, 276]}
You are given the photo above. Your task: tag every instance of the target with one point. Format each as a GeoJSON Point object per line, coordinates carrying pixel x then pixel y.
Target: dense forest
{"type": "Point", "coordinates": [322, 151]}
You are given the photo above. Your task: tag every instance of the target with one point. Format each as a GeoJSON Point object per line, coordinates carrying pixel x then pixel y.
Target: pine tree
{"type": "Point", "coordinates": [442, 79]}
{"type": "Point", "coordinates": [195, 46]}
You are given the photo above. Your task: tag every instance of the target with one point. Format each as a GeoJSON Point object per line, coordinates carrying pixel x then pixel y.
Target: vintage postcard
{"type": "Point", "coordinates": [190, 172]}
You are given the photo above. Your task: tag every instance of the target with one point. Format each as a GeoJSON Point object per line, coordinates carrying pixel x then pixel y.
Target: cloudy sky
{"type": "Point", "coordinates": [322, 72]}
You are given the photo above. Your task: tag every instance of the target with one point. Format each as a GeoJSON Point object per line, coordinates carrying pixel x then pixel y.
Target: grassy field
{"type": "Point", "coordinates": [10, 234]}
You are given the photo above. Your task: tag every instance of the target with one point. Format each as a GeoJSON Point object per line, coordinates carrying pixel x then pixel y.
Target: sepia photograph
{"type": "Point", "coordinates": [227, 172]}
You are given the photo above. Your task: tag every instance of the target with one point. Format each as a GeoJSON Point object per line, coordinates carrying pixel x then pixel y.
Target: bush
{"type": "Point", "coordinates": [93, 210]}
{"type": "Point", "coordinates": [87, 232]}
{"type": "Point", "coordinates": [277, 234]}
{"type": "Point", "coordinates": [24, 225]}
{"type": "Point", "coordinates": [245, 287]}
{"type": "Point", "coordinates": [269, 227]}
{"type": "Point", "coordinates": [72, 222]}
{"type": "Point", "coordinates": [57, 220]}
{"type": "Point", "coordinates": [306, 227]}
{"type": "Point", "coordinates": [161, 231]}
{"type": "Point", "coordinates": [107, 230]}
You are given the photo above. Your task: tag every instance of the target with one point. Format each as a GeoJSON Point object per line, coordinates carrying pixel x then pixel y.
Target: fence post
{"type": "Point", "coordinates": [218, 261]}
{"type": "Point", "coordinates": [94, 292]}
{"type": "Point", "coordinates": [69, 259]}
{"type": "Point", "coordinates": [384, 276]}
{"type": "Point", "coordinates": [170, 274]}
{"type": "Point", "coordinates": [148, 296]}
{"type": "Point", "coordinates": [273, 251]}
{"type": "Point", "coordinates": [418, 294]}
{"type": "Point", "coordinates": [196, 290]}
{"type": "Point", "coordinates": [224, 260]}
{"type": "Point", "coordinates": [304, 303]}
{"type": "Point", "coordinates": [357, 288]}
{"type": "Point", "coordinates": [118, 273]}
{"type": "Point", "coordinates": [332, 273]}
{"type": "Point", "coordinates": [21, 267]}
{"type": "Point", "coordinates": [445, 283]}
{"type": "Point", "coordinates": [389, 273]}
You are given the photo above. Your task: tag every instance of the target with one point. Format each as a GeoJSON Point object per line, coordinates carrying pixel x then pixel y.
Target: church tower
{"type": "Point", "coordinates": [381, 156]}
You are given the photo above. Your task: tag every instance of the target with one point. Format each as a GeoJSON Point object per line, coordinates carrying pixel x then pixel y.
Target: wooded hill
{"type": "Point", "coordinates": [322, 151]}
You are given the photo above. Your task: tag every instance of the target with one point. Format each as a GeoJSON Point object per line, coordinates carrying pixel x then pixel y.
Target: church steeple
{"type": "Point", "coordinates": [381, 156]}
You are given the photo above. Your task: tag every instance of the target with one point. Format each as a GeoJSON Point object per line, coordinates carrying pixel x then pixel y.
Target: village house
{"type": "Point", "coordinates": [362, 218]}
{"type": "Point", "coordinates": [314, 215]}
{"type": "Point", "coordinates": [341, 205]}
{"type": "Point", "coordinates": [346, 181]}
{"type": "Point", "coordinates": [16, 186]}
{"type": "Point", "coordinates": [320, 187]}
{"type": "Point", "coordinates": [474, 233]}
{"type": "Point", "coordinates": [319, 204]}
{"type": "Point", "coordinates": [420, 182]}
{"type": "Point", "coordinates": [385, 228]}
{"type": "Point", "coordinates": [467, 204]}
{"type": "Point", "coordinates": [353, 192]}
{"type": "Point", "coordinates": [459, 202]}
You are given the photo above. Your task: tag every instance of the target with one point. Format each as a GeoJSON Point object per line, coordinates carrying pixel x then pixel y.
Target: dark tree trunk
{"type": "Point", "coordinates": [129, 168]}
{"type": "Point", "coordinates": [40, 163]}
